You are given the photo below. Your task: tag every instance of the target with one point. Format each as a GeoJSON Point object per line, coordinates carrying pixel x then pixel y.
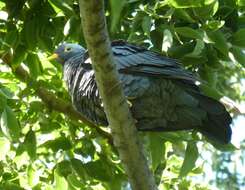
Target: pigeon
{"type": "Point", "coordinates": [162, 95]}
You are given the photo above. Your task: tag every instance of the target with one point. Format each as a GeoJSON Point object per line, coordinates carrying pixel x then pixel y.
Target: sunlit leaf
{"type": "Point", "coordinates": [241, 2]}
{"type": "Point", "coordinates": [189, 3]}
{"type": "Point", "coordinates": [207, 11]}
{"type": "Point", "coordinates": [61, 5]}
{"type": "Point", "coordinates": [4, 147]}
{"type": "Point", "coordinates": [157, 149]}
{"type": "Point", "coordinates": [30, 144]}
{"type": "Point", "coordinates": [32, 175]}
{"type": "Point", "coordinates": [9, 124]}
{"type": "Point", "coordinates": [191, 155]}
{"type": "Point", "coordinates": [60, 182]}
{"type": "Point", "coordinates": [116, 9]}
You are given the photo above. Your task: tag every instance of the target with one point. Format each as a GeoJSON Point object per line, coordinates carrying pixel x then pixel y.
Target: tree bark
{"type": "Point", "coordinates": [115, 104]}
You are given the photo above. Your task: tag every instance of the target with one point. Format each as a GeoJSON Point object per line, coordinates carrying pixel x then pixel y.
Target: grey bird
{"type": "Point", "coordinates": [163, 95]}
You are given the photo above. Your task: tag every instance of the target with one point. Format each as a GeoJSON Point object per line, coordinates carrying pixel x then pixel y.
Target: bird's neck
{"type": "Point", "coordinates": [71, 68]}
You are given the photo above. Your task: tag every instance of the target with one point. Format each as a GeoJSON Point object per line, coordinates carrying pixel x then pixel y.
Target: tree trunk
{"type": "Point", "coordinates": [115, 104]}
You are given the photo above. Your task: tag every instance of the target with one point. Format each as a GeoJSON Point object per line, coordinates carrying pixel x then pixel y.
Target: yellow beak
{"type": "Point", "coordinates": [52, 57]}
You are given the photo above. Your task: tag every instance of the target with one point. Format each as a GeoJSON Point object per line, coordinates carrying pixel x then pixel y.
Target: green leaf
{"type": "Point", "coordinates": [116, 9]}
{"type": "Point", "coordinates": [180, 50]}
{"type": "Point", "coordinates": [98, 170]}
{"type": "Point", "coordinates": [241, 3]}
{"type": "Point", "coordinates": [223, 147]}
{"type": "Point", "coordinates": [19, 55]}
{"type": "Point", "coordinates": [184, 15]}
{"type": "Point", "coordinates": [62, 5]}
{"type": "Point", "coordinates": [36, 106]}
{"type": "Point", "coordinates": [156, 38]}
{"type": "Point", "coordinates": [175, 136]}
{"type": "Point", "coordinates": [32, 176]}
{"type": "Point", "coordinates": [146, 25]}
{"type": "Point", "coordinates": [60, 143]}
{"type": "Point", "coordinates": [207, 11]}
{"type": "Point", "coordinates": [14, 7]}
{"type": "Point", "coordinates": [78, 166]}
{"type": "Point", "coordinates": [9, 124]}
{"type": "Point", "coordinates": [87, 149]}
{"type": "Point", "coordinates": [72, 179]}
{"type": "Point", "coordinates": [10, 186]}
{"type": "Point", "coordinates": [4, 147]}
{"type": "Point", "coordinates": [3, 100]}
{"type": "Point", "coordinates": [11, 38]}
{"type": "Point", "coordinates": [156, 148]}
{"type": "Point", "coordinates": [189, 32]}
{"type": "Point", "coordinates": [64, 168]}
{"type": "Point", "coordinates": [197, 50]}
{"type": "Point", "coordinates": [239, 55]}
{"type": "Point", "coordinates": [191, 155]}
{"type": "Point", "coordinates": [6, 93]}
{"type": "Point", "coordinates": [45, 43]}
{"type": "Point", "coordinates": [60, 182]}
{"type": "Point", "coordinates": [212, 56]}
{"type": "Point", "coordinates": [219, 41]}
{"type": "Point", "coordinates": [47, 126]}
{"type": "Point", "coordinates": [214, 24]}
{"type": "Point", "coordinates": [238, 38]}
{"type": "Point", "coordinates": [31, 32]}
{"type": "Point", "coordinates": [34, 65]}
{"type": "Point", "coordinates": [116, 183]}
{"type": "Point", "coordinates": [189, 3]}
{"type": "Point", "coordinates": [210, 91]}
{"type": "Point", "coordinates": [30, 144]}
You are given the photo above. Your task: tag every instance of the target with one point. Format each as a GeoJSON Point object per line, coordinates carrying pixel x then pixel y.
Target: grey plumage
{"type": "Point", "coordinates": [164, 96]}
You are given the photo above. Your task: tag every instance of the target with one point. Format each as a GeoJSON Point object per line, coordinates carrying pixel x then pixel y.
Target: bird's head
{"type": "Point", "coordinates": [66, 51]}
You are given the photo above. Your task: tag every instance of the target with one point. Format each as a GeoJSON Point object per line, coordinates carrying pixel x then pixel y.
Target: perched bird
{"type": "Point", "coordinates": [163, 95]}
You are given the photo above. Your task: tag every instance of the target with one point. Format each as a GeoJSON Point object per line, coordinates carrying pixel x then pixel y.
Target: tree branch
{"type": "Point", "coordinates": [115, 105]}
{"type": "Point", "coordinates": [50, 99]}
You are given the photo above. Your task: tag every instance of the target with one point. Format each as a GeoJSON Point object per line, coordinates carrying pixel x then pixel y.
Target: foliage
{"type": "Point", "coordinates": [42, 148]}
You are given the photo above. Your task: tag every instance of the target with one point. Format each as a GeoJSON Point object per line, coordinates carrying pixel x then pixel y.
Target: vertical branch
{"type": "Point", "coordinates": [115, 105]}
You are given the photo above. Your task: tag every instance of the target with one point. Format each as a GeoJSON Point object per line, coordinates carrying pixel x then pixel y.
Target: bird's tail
{"type": "Point", "coordinates": [217, 125]}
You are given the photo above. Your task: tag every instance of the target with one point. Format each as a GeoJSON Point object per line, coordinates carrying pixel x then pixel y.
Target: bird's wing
{"type": "Point", "coordinates": [132, 59]}
{"type": "Point", "coordinates": [134, 63]}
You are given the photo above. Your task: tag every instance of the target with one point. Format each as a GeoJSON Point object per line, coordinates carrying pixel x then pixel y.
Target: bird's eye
{"type": "Point", "coordinates": [67, 49]}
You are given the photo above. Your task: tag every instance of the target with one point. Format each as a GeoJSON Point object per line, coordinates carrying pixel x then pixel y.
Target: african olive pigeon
{"type": "Point", "coordinates": [163, 95]}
